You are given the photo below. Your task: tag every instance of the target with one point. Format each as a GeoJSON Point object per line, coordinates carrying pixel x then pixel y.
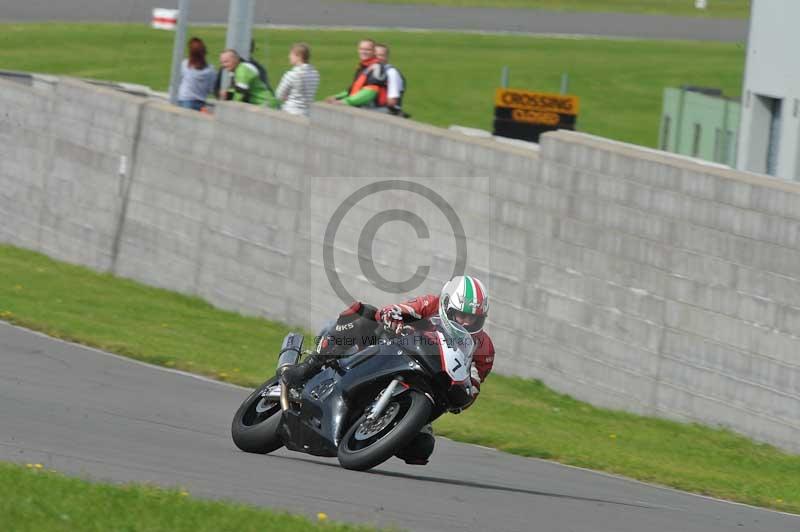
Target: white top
{"type": "Point", "coordinates": [394, 85]}
{"type": "Point", "coordinates": [298, 88]}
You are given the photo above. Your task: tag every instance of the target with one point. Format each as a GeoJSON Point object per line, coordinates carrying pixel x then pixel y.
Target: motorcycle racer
{"type": "Point", "coordinates": [463, 300]}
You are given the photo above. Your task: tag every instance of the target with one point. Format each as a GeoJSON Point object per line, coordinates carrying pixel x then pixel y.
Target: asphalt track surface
{"type": "Point", "coordinates": [108, 418]}
{"type": "Point", "coordinates": [351, 14]}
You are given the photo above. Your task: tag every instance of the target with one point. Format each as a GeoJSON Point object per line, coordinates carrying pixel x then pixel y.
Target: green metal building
{"type": "Point", "coordinates": [701, 123]}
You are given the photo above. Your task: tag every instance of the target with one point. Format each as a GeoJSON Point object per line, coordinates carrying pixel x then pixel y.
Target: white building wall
{"type": "Point", "coordinates": [772, 71]}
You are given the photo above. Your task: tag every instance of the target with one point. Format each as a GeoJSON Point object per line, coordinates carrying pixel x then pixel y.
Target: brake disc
{"type": "Point", "coordinates": [368, 429]}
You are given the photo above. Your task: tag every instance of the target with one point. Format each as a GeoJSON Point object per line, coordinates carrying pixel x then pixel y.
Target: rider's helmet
{"type": "Point", "coordinates": [465, 303]}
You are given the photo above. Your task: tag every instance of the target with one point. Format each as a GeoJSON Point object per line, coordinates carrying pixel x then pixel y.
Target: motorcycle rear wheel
{"type": "Point", "coordinates": [368, 444]}
{"type": "Point", "coordinates": [255, 426]}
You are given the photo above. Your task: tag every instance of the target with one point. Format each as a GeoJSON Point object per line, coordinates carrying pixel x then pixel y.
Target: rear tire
{"type": "Point", "coordinates": [362, 448]}
{"type": "Point", "coordinates": [255, 425]}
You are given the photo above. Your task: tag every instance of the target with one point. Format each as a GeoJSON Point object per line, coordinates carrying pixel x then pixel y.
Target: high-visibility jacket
{"type": "Point", "coordinates": [369, 86]}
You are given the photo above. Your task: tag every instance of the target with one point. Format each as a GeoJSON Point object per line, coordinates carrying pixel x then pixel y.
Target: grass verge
{"type": "Point", "coordinates": [684, 8]}
{"type": "Point", "coordinates": [515, 415]}
{"type": "Point", "coordinates": [451, 76]}
{"type": "Point", "coordinates": [35, 500]}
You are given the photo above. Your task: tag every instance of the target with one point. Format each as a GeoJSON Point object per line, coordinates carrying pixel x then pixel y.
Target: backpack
{"type": "Point", "coordinates": [272, 100]}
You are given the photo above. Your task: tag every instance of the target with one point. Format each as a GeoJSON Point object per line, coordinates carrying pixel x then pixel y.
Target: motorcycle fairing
{"type": "Point", "coordinates": [316, 428]}
{"type": "Point", "coordinates": [320, 415]}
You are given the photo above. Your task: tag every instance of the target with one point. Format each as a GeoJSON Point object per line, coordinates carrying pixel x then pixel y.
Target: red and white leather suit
{"type": "Point", "coordinates": [424, 307]}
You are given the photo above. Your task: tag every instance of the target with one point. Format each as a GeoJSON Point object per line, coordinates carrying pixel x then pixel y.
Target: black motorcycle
{"type": "Point", "coordinates": [365, 406]}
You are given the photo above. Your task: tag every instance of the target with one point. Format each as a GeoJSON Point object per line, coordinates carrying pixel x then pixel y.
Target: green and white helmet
{"type": "Point", "coordinates": [464, 302]}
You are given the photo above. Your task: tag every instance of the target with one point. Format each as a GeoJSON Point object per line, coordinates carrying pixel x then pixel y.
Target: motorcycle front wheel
{"type": "Point", "coordinates": [368, 443]}
{"type": "Point", "coordinates": [255, 426]}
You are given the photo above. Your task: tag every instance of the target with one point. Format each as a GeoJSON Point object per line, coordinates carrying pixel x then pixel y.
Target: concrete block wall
{"type": "Point", "coordinates": [25, 151]}
{"type": "Point", "coordinates": [486, 182]}
{"type": "Point", "coordinates": [62, 190]}
{"type": "Point", "coordinates": [669, 287]}
{"type": "Point", "coordinates": [623, 276]}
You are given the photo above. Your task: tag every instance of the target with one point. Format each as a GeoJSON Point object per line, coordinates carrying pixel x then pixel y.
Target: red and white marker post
{"type": "Point", "coordinates": [164, 19]}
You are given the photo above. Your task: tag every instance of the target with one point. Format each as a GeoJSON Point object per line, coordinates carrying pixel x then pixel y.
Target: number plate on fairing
{"type": "Point", "coordinates": [453, 360]}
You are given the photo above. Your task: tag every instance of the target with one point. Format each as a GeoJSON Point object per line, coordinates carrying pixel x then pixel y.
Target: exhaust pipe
{"type": "Point", "coordinates": [289, 356]}
{"type": "Point", "coordinates": [290, 351]}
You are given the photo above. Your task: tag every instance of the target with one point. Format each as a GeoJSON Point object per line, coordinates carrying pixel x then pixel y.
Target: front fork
{"type": "Point", "coordinates": [384, 399]}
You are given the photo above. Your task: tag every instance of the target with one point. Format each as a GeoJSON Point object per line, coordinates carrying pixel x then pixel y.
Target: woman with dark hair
{"type": "Point", "coordinates": [197, 77]}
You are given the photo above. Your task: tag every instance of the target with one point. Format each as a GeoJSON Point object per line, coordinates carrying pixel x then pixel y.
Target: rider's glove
{"type": "Point", "coordinates": [392, 318]}
{"type": "Point", "coordinates": [475, 377]}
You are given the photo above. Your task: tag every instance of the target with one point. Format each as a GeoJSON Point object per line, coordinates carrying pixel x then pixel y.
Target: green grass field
{"type": "Point", "coordinates": [684, 8]}
{"type": "Point", "coordinates": [515, 415]}
{"type": "Point", "coordinates": [451, 77]}
{"type": "Point", "coordinates": [35, 500]}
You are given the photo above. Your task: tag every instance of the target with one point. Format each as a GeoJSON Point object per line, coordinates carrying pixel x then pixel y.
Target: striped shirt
{"type": "Point", "coordinates": [298, 88]}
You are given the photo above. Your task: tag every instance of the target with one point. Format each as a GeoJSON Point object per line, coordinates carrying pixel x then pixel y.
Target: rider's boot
{"type": "Point", "coordinates": [356, 321]}
{"type": "Point", "coordinates": [295, 376]}
{"type": "Point", "coordinates": [420, 448]}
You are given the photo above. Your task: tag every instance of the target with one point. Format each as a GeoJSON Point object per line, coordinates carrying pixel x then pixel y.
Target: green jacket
{"type": "Point", "coordinates": [247, 85]}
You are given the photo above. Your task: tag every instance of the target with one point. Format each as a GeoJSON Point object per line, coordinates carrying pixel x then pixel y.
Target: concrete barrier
{"type": "Point", "coordinates": [623, 276]}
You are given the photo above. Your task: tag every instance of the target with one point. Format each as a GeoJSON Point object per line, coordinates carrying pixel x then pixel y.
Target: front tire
{"type": "Point", "coordinates": [365, 445]}
{"type": "Point", "coordinates": [255, 425]}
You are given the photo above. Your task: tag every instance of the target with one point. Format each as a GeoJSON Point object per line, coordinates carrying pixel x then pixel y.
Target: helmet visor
{"type": "Point", "coordinates": [471, 322]}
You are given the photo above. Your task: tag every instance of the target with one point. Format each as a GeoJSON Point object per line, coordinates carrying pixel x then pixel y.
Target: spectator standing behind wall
{"type": "Point", "coordinates": [246, 85]}
{"type": "Point", "coordinates": [395, 82]}
{"type": "Point", "coordinates": [262, 72]}
{"type": "Point", "coordinates": [368, 89]}
{"type": "Point", "coordinates": [298, 87]}
{"type": "Point", "coordinates": [197, 77]}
